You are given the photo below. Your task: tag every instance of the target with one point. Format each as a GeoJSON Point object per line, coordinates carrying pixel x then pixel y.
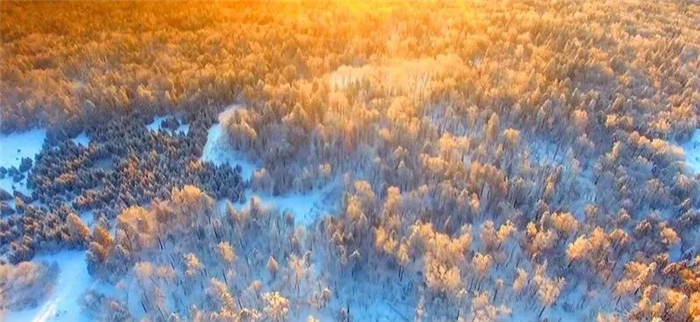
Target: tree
{"type": "Point", "coordinates": [226, 253]}
{"type": "Point", "coordinates": [493, 128]}
{"type": "Point", "coordinates": [482, 264]}
{"type": "Point", "coordinates": [277, 306]}
{"type": "Point", "coordinates": [272, 267]}
{"type": "Point", "coordinates": [521, 281]}
{"type": "Point", "coordinates": [219, 296]}
{"type": "Point", "coordinates": [579, 249]}
{"type": "Point", "coordinates": [441, 278]}
{"type": "Point", "coordinates": [192, 265]}
{"type": "Point", "coordinates": [548, 289]}
{"type": "Point", "coordinates": [24, 285]}
{"type": "Point", "coordinates": [669, 236]}
{"type": "Point", "coordinates": [80, 233]}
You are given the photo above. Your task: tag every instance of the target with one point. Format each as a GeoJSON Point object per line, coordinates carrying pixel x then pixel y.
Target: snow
{"type": "Point", "coordinates": [692, 152]}
{"type": "Point", "coordinates": [380, 302]}
{"type": "Point", "coordinates": [546, 153]}
{"type": "Point", "coordinates": [88, 217]}
{"type": "Point", "coordinates": [218, 152]}
{"type": "Point", "coordinates": [14, 147]}
{"type": "Point", "coordinates": [305, 207]}
{"type": "Point", "coordinates": [82, 139]}
{"type": "Point", "coordinates": [183, 128]}
{"type": "Point", "coordinates": [10, 186]}
{"type": "Point", "coordinates": [156, 126]}
{"type": "Point", "coordinates": [63, 304]}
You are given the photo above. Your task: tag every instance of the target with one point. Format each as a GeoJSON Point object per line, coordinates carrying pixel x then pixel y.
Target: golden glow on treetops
{"type": "Point", "coordinates": [428, 161]}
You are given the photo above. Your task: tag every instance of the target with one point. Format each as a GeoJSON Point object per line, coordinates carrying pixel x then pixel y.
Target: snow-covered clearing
{"type": "Point", "coordinates": [88, 217]}
{"type": "Point", "coordinates": [10, 185]}
{"type": "Point", "coordinates": [63, 304]}
{"type": "Point", "coordinates": [218, 152]}
{"type": "Point", "coordinates": [157, 125]}
{"type": "Point", "coordinates": [13, 148]}
{"type": "Point", "coordinates": [692, 152]}
{"type": "Point", "coordinates": [16, 146]}
{"type": "Point", "coordinates": [305, 207]}
{"type": "Point", "coordinates": [82, 139]}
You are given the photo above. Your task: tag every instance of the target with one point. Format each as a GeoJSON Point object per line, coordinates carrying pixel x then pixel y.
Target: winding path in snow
{"type": "Point", "coordinates": [306, 207]}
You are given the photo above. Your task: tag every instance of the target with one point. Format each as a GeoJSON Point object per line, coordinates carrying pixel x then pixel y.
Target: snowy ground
{"type": "Point", "coordinates": [692, 152]}
{"type": "Point", "coordinates": [306, 207]}
{"type": "Point", "coordinates": [546, 153]}
{"type": "Point", "coordinates": [155, 126]}
{"type": "Point", "coordinates": [217, 151]}
{"type": "Point", "coordinates": [82, 139]}
{"type": "Point", "coordinates": [14, 147]}
{"type": "Point", "coordinates": [63, 305]}
{"type": "Point", "coordinates": [10, 186]}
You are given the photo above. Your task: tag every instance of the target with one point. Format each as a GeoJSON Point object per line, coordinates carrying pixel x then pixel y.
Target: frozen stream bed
{"type": "Point", "coordinates": [216, 149]}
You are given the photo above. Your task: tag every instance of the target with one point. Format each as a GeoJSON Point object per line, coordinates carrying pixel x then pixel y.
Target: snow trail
{"type": "Point", "coordinates": [305, 207]}
{"type": "Point", "coordinates": [217, 151]}
{"type": "Point", "coordinates": [63, 304]}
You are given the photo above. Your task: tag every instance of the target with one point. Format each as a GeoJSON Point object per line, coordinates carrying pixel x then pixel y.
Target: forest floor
{"type": "Point", "coordinates": [692, 152]}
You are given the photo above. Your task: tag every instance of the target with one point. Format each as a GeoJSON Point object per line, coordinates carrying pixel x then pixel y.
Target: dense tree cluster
{"type": "Point", "coordinates": [185, 251]}
{"type": "Point", "coordinates": [36, 230]}
{"type": "Point", "coordinates": [124, 165]}
{"type": "Point", "coordinates": [497, 159]}
{"type": "Point", "coordinates": [507, 141]}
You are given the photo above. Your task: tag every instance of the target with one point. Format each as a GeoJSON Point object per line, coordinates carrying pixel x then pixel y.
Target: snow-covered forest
{"type": "Point", "coordinates": [350, 161]}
